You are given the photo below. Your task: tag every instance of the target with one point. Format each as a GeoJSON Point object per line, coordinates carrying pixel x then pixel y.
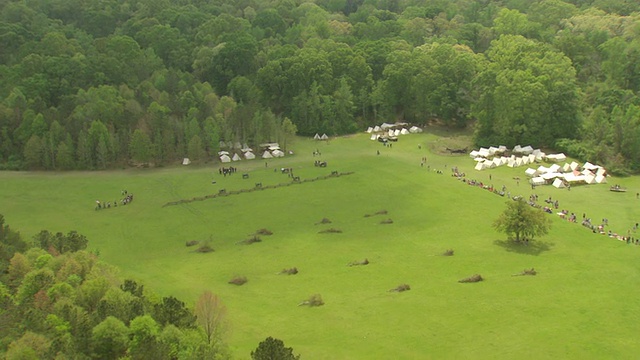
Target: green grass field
{"type": "Point", "coordinates": [584, 302]}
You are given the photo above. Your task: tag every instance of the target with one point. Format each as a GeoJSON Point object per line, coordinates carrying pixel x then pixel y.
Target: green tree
{"type": "Point", "coordinates": [110, 339]}
{"type": "Point", "coordinates": [140, 147]}
{"type": "Point", "coordinates": [33, 152]}
{"type": "Point", "coordinates": [195, 149]}
{"type": "Point", "coordinates": [522, 222]}
{"type": "Point", "coordinates": [271, 348]}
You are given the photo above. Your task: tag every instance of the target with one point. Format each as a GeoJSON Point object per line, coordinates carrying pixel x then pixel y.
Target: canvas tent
{"type": "Point", "coordinates": [537, 181]}
{"type": "Point", "coordinates": [590, 179]}
{"type": "Point", "coordinates": [377, 129]}
{"type": "Point", "coordinates": [249, 155]}
{"type": "Point", "coordinates": [601, 179]}
{"type": "Point", "coordinates": [558, 183]}
{"type": "Point", "coordinates": [225, 158]}
{"type": "Point", "coordinates": [530, 172]}
{"type": "Point", "coordinates": [236, 157]}
{"type": "Point", "coordinates": [324, 137]}
{"type": "Point", "coordinates": [186, 161]}
{"type": "Point", "coordinates": [415, 129]}
{"type": "Point", "coordinates": [316, 137]}
{"type": "Point", "coordinates": [369, 129]}
{"type": "Point", "coordinates": [267, 155]}
{"type": "Point", "coordinates": [404, 132]}
{"type": "Point", "coordinates": [480, 166]}
{"type": "Point", "coordinates": [374, 137]}
{"type": "Point", "coordinates": [277, 153]}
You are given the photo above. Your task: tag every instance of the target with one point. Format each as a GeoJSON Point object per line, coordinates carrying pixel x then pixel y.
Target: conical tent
{"type": "Point", "coordinates": [324, 137]}
{"type": "Point", "coordinates": [377, 129]}
{"type": "Point", "coordinates": [236, 157]}
{"type": "Point", "coordinates": [266, 155]}
{"type": "Point", "coordinates": [369, 129]}
{"type": "Point", "coordinates": [601, 179]}
{"type": "Point", "coordinates": [480, 166]}
{"type": "Point", "coordinates": [316, 137]}
{"type": "Point", "coordinates": [590, 179]}
{"type": "Point", "coordinates": [404, 132]}
{"type": "Point", "coordinates": [225, 158]}
{"type": "Point", "coordinates": [186, 161]}
{"type": "Point", "coordinates": [374, 137]}
{"type": "Point", "coordinates": [558, 183]}
{"type": "Point", "coordinates": [249, 155]}
{"type": "Point", "coordinates": [277, 153]}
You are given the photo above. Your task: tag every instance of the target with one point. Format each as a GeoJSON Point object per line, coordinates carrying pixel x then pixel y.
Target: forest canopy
{"type": "Point", "coordinates": [95, 85]}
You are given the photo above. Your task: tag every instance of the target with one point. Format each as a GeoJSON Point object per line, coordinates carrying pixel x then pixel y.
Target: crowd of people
{"type": "Point", "coordinates": [128, 198]}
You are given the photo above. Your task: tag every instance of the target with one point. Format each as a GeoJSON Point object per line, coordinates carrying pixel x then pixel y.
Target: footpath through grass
{"type": "Point", "coordinates": [583, 303]}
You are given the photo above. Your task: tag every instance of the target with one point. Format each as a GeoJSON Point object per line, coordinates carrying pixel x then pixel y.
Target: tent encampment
{"type": "Point", "coordinates": [236, 157]}
{"type": "Point", "coordinates": [267, 155]}
{"type": "Point", "coordinates": [558, 183]}
{"type": "Point", "coordinates": [186, 161]}
{"type": "Point", "coordinates": [225, 158]}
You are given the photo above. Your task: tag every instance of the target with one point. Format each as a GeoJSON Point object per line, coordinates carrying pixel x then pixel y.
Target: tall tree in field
{"type": "Point", "coordinates": [210, 314]}
{"type": "Point", "coordinates": [522, 222]}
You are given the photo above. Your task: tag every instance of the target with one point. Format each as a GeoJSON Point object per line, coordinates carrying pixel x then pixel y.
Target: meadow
{"type": "Point", "coordinates": [584, 302]}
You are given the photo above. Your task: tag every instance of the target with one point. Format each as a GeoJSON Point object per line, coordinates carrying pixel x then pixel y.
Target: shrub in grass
{"type": "Point", "coordinates": [291, 271]}
{"type": "Point", "coordinates": [358, 263]}
{"type": "Point", "coordinates": [205, 248]}
{"type": "Point", "coordinates": [314, 300]}
{"type": "Point", "coordinates": [472, 279]}
{"type": "Point", "coordinates": [263, 231]}
{"type": "Point", "coordinates": [526, 272]}
{"type": "Point", "coordinates": [448, 253]}
{"type": "Point", "coordinates": [324, 221]}
{"type": "Point", "coordinates": [401, 288]}
{"type": "Point", "coordinates": [330, 231]}
{"type": "Point", "coordinates": [387, 221]}
{"type": "Point", "coordinates": [238, 280]}
{"type": "Point", "coordinates": [192, 243]}
{"type": "Point", "coordinates": [251, 240]}
{"type": "Point", "coordinates": [381, 212]}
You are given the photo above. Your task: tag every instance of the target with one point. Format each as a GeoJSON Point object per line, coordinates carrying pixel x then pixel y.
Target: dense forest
{"type": "Point", "coordinates": [103, 84]}
{"type": "Point", "coordinates": [59, 301]}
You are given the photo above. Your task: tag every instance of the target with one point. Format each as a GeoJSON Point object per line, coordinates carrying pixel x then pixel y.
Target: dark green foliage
{"type": "Point", "coordinates": [60, 243]}
{"type": "Point", "coordinates": [173, 311]}
{"type": "Point", "coordinates": [10, 243]}
{"type": "Point", "coordinates": [273, 349]}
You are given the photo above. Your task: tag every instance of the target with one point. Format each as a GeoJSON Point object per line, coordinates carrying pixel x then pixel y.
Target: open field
{"type": "Point", "coordinates": [584, 302]}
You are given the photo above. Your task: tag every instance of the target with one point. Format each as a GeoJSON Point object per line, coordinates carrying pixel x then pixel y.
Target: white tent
{"type": "Point", "coordinates": [370, 130]}
{"type": "Point", "coordinates": [374, 137]}
{"type": "Point", "coordinates": [385, 126]}
{"type": "Point", "coordinates": [533, 158]}
{"type": "Point", "coordinates": [396, 132]}
{"type": "Point", "coordinates": [249, 155]}
{"type": "Point", "coordinates": [377, 129]}
{"type": "Point", "coordinates": [415, 129]}
{"type": "Point", "coordinates": [590, 179]}
{"type": "Point", "coordinates": [530, 172]}
{"type": "Point", "coordinates": [566, 167]}
{"type": "Point", "coordinates": [484, 152]}
{"type": "Point", "coordinates": [480, 166]}
{"type": "Point", "coordinates": [480, 159]}
{"type": "Point", "coordinates": [602, 171]}
{"type": "Point", "coordinates": [186, 161]}
{"type": "Point", "coordinates": [574, 165]}
{"type": "Point", "coordinates": [489, 164]}
{"type": "Point", "coordinates": [517, 149]}
{"type": "Point", "coordinates": [543, 169]}
{"type": "Point", "coordinates": [316, 137]}
{"type": "Point", "coordinates": [223, 153]}
{"type": "Point", "coordinates": [551, 175]}
{"type": "Point", "coordinates": [277, 153]}
{"type": "Point", "coordinates": [527, 150]}
{"type": "Point", "coordinates": [246, 149]}
{"type": "Point", "coordinates": [518, 162]}
{"type": "Point", "coordinates": [225, 158]}
{"type": "Point", "coordinates": [274, 148]}
{"type": "Point", "coordinates": [474, 153]}
{"type": "Point", "coordinates": [554, 168]}
{"type": "Point", "coordinates": [537, 181]}
{"type": "Point", "coordinates": [222, 144]}
{"type": "Point", "coordinates": [502, 148]}
{"type": "Point", "coordinates": [324, 137]}
{"type": "Point", "coordinates": [404, 131]}
{"type": "Point", "coordinates": [525, 160]}
{"type": "Point", "coordinates": [573, 178]}
{"type": "Point", "coordinates": [589, 166]}
{"type": "Point", "coordinates": [236, 157]}
{"type": "Point", "coordinates": [492, 150]}
{"type": "Point", "coordinates": [557, 157]}
{"type": "Point", "coordinates": [558, 183]}
{"type": "Point", "coordinates": [511, 162]}
{"type": "Point", "coordinates": [237, 145]}
{"type": "Point", "coordinates": [245, 146]}
{"type": "Point", "coordinates": [601, 179]}
{"type": "Point", "coordinates": [267, 155]}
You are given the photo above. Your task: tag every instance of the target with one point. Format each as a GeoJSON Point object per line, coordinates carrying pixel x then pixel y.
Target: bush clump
{"type": "Point", "coordinates": [387, 221]}
{"type": "Point", "coordinates": [358, 263]}
{"type": "Point", "coordinates": [205, 248]}
{"type": "Point", "coordinates": [448, 253]}
{"type": "Point", "coordinates": [401, 288]}
{"type": "Point", "coordinates": [192, 243]}
{"type": "Point", "coordinates": [525, 272]}
{"type": "Point", "coordinates": [314, 300]}
{"type": "Point", "coordinates": [291, 271]}
{"type": "Point", "coordinates": [264, 231]}
{"type": "Point", "coordinates": [330, 231]}
{"type": "Point", "coordinates": [471, 279]}
{"type": "Point", "coordinates": [251, 240]}
{"type": "Point", "coordinates": [324, 221]}
{"type": "Point", "coordinates": [238, 280]}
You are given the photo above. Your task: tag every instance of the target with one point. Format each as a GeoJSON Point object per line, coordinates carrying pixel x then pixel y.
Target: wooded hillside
{"type": "Point", "coordinates": [102, 84]}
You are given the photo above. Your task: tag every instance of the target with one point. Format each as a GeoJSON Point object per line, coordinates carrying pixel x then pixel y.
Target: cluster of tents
{"type": "Point", "coordinates": [320, 137]}
{"type": "Point", "coordinates": [392, 130]}
{"type": "Point", "coordinates": [488, 158]}
{"type": "Point", "coordinates": [573, 173]}
{"type": "Point", "coordinates": [238, 152]}
{"type": "Point", "coordinates": [557, 175]}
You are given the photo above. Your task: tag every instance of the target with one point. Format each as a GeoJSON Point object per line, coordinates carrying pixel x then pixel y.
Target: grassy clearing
{"type": "Point", "coordinates": [583, 303]}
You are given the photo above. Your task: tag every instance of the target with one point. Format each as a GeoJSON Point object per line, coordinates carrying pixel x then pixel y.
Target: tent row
{"type": "Point", "coordinates": [511, 161]}
{"type": "Point", "coordinates": [320, 137]}
{"type": "Point", "coordinates": [396, 132]}
{"type": "Point", "coordinates": [394, 129]}
{"type": "Point", "coordinates": [559, 180]}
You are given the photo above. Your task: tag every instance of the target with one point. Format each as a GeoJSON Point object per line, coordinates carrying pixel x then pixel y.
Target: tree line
{"type": "Point", "coordinates": [94, 85]}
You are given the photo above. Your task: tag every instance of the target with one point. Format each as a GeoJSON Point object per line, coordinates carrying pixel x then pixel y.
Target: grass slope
{"type": "Point", "coordinates": [583, 303]}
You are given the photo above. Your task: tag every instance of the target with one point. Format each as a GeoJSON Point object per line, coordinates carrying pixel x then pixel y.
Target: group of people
{"type": "Point", "coordinates": [108, 204]}
{"type": "Point", "coordinates": [227, 171]}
